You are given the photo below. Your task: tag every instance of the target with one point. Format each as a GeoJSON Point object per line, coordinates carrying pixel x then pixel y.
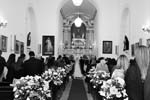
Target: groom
{"type": "Point", "coordinates": [82, 65]}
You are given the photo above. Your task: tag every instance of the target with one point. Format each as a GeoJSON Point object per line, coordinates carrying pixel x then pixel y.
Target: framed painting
{"type": "Point", "coordinates": [39, 48]}
{"type": "Point", "coordinates": [48, 43]}
{"type": "Point", "coordinates": [107, 47]}
{"type": "Point", "coordinates": [132, 49]}
{"type": "Point", "coordinates": [3, 43]}
{"type": "Point", "coordinates": [117, 49]}
{"type": "Point", "coordinates": [148, 42]}
{"type": "Point", "coordinates": [17, 46]}
{"type": "Point", "coordinates": [21, 47]}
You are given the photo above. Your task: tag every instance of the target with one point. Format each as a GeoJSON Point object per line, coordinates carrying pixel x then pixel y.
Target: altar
{"type": "Point", "coordinates": [78, 40]}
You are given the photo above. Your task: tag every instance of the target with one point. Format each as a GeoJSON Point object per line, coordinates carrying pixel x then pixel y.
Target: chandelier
{"type": "Point", "coordinates": [146, 28]}
{"type": "Point", "coordinates": [78, 21]}
{"type": "Point", "coordinates": [3, 22]}
{"type": "Point", "coordinates": [77, 2]}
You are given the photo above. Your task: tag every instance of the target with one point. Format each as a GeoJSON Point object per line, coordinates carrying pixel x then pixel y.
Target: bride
{"type": "Point", "coordinates": [77, 70]}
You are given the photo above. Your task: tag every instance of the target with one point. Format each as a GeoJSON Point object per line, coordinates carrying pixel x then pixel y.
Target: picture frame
{"type": "Point", "coordinates": [39, 48]}
{"type": "Point", "coordinates": [21, 47]}
{"type": "Point", "coordinates": [107, 47]}
{"type": "Point", "coordinates": [132, 49]}
{"type": "Point", "coordinates": [48, 45]}
{"type": "Point", "coordinates": [117, 49]}
{"type": "Point", "coordinates": [148, 42]}
{"type": "Point", "coordinates": [3, 43]}
{"type": "Point", "coordinates": [17, 46]}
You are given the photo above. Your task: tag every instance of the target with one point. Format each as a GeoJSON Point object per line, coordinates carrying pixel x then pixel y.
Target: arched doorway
{"type": "Point", "coordinates": [78, 40]}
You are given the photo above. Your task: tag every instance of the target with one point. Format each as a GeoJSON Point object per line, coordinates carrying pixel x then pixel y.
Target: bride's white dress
{"type": "Point", "coordinates": [77, 70]}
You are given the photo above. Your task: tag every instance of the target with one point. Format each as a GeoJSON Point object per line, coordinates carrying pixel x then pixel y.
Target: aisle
{"type": "Point", "coordinates": [77, 91]}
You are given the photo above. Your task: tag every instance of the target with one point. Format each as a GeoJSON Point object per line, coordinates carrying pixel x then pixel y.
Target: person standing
{"type": "Point", "coordinates": [33, 66]}
{"type": "Point", "coordinates": [11, 64]}
{"type": "Point", "coordinates": [3, 67]}
{"type": "Point", "coordinates": [2, 60]}
{"type": "Point", "coordinates": [136, 74]}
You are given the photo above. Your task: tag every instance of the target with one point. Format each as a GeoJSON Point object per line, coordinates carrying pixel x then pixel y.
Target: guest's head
{"type": "Point", "coordinates": [142, 58]}
{"type": "Point", "coordinates": [0, 52]}
{"type": "Point", "coordinates": [31, 54]}
{"type": "Point", "coordinates": [11, 59]}
{"type": "Point", "coordinates": [1, 70]}
{"type": "Point", "coordinates": [122, 62]}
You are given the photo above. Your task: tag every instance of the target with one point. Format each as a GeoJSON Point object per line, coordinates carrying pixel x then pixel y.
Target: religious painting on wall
{"type": "Point", "coordinates": [3, 43]}
{"type": "Point", "coordinates": [78, 32]}
{"type": "Point", "coordinates": [107, 47]}
{"type": "Point", "coordinates": [39, 48]}
{"type": "Point", "coordinates": [132, 49]}
{"type": "Point", "coordinates": [21, 47]}
{"type": "Point", "coordinates": [17, 46]}
{"type": "Point", "coordinates": [148, 42]}
{"type": "Point", "coordinates": [117, 50]}
{"type": "Point", "coordinates": [48, 43]}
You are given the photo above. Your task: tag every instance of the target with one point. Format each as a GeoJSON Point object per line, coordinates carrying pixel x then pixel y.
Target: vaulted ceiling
{"type": "Point", "coordinates": [86, 10]}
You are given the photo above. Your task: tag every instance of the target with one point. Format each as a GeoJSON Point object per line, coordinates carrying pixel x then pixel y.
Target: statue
{"type": "Point", "coordinates": [126, 43]}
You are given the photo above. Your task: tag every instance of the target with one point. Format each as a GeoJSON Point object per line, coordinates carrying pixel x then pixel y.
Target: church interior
{"type": "Point", "coordinates": [91, 28]}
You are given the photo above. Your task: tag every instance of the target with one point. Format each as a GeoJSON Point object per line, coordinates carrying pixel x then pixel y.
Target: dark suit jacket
{"type": "Point", "coordinates": [134, 84]}
{"type": "Point", "coordinates": [33, 67]}
{"type": "Point", "coordinates": [147, 86]}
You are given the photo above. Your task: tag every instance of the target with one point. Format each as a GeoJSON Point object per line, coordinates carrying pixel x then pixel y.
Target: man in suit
{"type": "Point", "coordinates": [33, 66]}
{"type": "Point", "coordinates": [82, 65]}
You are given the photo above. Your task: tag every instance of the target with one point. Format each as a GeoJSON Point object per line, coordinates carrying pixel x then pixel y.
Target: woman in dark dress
{"type": "Point", "coordinates": [136, 74]}
{"type": "Point", "coordinates": [11, 64]}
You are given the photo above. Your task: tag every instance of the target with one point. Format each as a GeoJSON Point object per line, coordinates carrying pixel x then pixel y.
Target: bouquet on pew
{"type": "Point", "coordinates": [113, 89]}
{"type": "Point", "coordinates": [55, 76]}
{"type": "Point", "coordinates": [31, 88]}
{"type": "Point", "coordinates": [97, 77]}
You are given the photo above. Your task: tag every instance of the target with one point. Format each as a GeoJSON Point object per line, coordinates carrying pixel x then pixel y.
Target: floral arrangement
{"type": "Point", "coordinates": [54, 76]}
{"type": "Point", "coordinates": [31, 88]}
{"type": "Point", "coordinates": [97, 77]}
{"type": "Point", "coordinates": [39, 87]}
{"type": "Point", "coordinates": [113, 89]}
{"type": "Point", "coordinates": [68, 68]}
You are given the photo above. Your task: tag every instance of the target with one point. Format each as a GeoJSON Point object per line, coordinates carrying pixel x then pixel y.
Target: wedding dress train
{"type": "Point", "coordinates": [77, 70]}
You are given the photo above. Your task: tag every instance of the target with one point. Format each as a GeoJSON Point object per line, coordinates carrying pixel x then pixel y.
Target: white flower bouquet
{"type": "Point", "coordinates": [55, 76]}
{"type": "Point", "coordinates": [97, 77]}
{"type": "Point", "coordinates": [31, 88]}
{"type": "Point", "coordinates": [113, 89]}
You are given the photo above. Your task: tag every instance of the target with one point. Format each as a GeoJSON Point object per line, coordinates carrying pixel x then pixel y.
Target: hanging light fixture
{"type": "Point", "coordinates": [77, 2]}
{"type": "Point", "coordinates": [78, 21]}
{"type": "Point", "coordinates": [3, 22]}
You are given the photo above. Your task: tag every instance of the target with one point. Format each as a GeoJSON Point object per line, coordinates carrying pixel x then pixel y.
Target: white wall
{"type": "Point", "coordinates": [107, 24]}
{"type": "Point", "coordinates": [47, 21]}
{"type": "Point", "coordinates": [14, 12]}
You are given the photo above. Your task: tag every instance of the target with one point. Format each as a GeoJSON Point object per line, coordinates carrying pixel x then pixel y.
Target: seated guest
{"type": "Point", "coordinates": [135, 77]}
{"type": "Point", "coordinates": [102, 66]}
{"type": "Point", "coordinates": [33, 66]}
{"type": "Point", "coordinates": [121, 67]}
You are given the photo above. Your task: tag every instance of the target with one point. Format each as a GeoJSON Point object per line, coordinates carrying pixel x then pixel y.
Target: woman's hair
{"type": "Point", "coordinates": [122, 62]}
{"type": "Point", "coordinates": [142, 58]}
{"type": "Point", "coordinates": [11, 59]}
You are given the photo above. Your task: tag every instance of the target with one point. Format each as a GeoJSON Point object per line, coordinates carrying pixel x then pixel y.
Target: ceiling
{"type": "Point", "coordinates": [86, 10]}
